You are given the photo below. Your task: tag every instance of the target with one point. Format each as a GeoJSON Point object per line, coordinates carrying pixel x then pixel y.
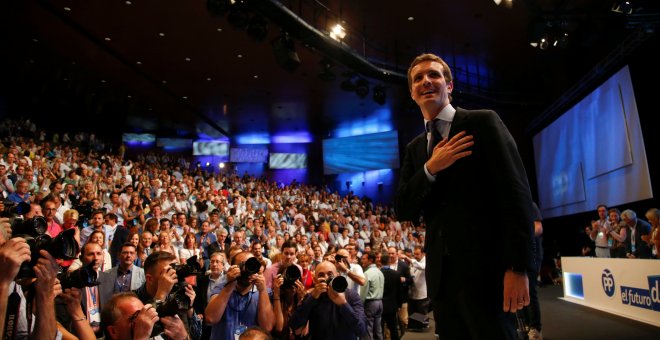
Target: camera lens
{"type": "Point", "coordinates": [250, 266]}
{"type": "Point", "coordinates": [339, 284]}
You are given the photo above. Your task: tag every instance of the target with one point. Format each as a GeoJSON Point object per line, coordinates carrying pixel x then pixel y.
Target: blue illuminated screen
{"type": "Point", "coordinates": [248, 155]}
{"type": "Point", "coordinates": [373, 151]}
{"type": "Point", "coordinates": [174, 142]}
{"type": "Point", "coordinates": [287, 161]}
{"type": "Point", "coordinates": [210, 148]}
{"type": "Point", "coordinates": [138, 138]}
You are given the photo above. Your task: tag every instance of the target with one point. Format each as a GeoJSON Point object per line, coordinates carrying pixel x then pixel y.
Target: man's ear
{"type": "Point", "coordinates": [112, 332]}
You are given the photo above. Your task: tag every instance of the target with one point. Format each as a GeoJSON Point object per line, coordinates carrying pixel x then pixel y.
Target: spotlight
{"type": "Point", "coordinates": [626, 7]}
{"type": "Point", "coordinates": [221, 165]}
{"type": "Point", "coordinates": [338, 32]}
{"type": "Point", "coordinates": [362, 88]}
{"type": "Point", "coordinates": [379, 94]}
{"type": "Point", "coordinates": [257, 28]}
{"type": "Point", "coordinates": [326, 70]}
{"type": "Point", "coordinates": [199, 164]}
{"type": "Point", "coordinates": [238, 15]}
{"type": "Point", "coordinates": [544, 44]}
{"type": "Point", "coordinates": [208, 164]}
{"type": "Point", "coordinates": [218, 7]}
{"type": "Point", "coordinates": [285, 53]}
{"type": "Point", "coordinates": [562, 42]}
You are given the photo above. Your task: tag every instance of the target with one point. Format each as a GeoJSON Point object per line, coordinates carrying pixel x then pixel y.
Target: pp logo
{"type": "Point", "coordinates": [608, 282]}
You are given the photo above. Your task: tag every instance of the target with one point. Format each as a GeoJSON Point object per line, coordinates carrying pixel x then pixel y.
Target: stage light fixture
{"type": "Point", "coordinates": [218, 7]}
{"type": "Point", "coordinates": [379, 94]}
{"type": "Point", "coordinates": [326, 73]}
{"type": "Point", "coordinates": [338, 32]}
{"type": "Point", "coordinates": [257, 28]}
{"type": "Point", "coordinates": [238, 15]}
{"type": "Point", "coordinates": [285, 52]}
{"type": "Point", "coordinates": [362, 88]}
{"type": "Point", "coordinates": [625, 6]}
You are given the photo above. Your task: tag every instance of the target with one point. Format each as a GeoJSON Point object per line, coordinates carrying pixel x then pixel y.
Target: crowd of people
{"type": "Point", "coordinates": [165, 250]}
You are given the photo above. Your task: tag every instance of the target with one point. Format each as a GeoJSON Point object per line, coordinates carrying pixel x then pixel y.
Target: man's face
{"type": "Point", "coordinates": [317, 252]}
{"type": "Point", "coordinates": [122, 328]}
{"type": "Point", "coordinates": [393, 255]}
{"type": "Point", "coordinates": [288, 255]}
{"type": "Point", "coordinates": [429, 87]}
{"type": "Point", "coordinates": [206, 227]}
{"type": "Point", "coordinates": [93, 254]}
{"type": "Point", "coordinates": [602, 212]}
{"type": "Point", "coordinates": [418, 254]}
{"type": "Point", "coordinates": [49, 210]}
{"type": "Point", "coordinates": [22, 188]}
{"type": "Point", "coordinates": [97, 220]}
{"type": "Point", "coordinates": [256, 250]}
{"type": "Point", "coordinates": [216, 265]}
{"type": "Point", "coordinates": [181, 220]}
{"type": "Point", "coordinates": [324, 271]}
{"type": "Point", "coordinates": [145, 240]}
{"type": "Point", "coordinates": [127, 256]}
{"type": "Point", "coordinates": [365, 261]}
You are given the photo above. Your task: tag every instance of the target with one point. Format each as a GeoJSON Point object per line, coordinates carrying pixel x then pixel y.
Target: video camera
{"type": "Point", "coordinates": [33, 230]}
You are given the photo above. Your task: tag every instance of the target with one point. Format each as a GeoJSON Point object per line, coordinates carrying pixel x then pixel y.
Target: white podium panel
{"type": "Point", "coordinates": [624, 287]}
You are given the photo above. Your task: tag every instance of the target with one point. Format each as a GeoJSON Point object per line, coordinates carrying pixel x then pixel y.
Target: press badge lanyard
{"type": "Point", "coordinates": [13, 310]}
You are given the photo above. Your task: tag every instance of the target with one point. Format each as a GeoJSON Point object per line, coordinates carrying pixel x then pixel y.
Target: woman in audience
{"type": "Point", "coordinates": [307, 277]}
{"type": "Point", "coordinates": [134, 213]}
{"type": "Point", "coordinates": [618, 234]}
{"type": "Point", "coordinates": [286, 297]}
{"type": "Point", "coordinates": [165, 244]}
{"type": "Point", "coordinates": [134, 239]}
{"type": "Point", "coordinates": [190, 248]}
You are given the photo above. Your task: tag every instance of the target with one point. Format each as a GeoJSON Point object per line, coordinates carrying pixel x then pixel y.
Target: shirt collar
{"type": "Point", "coordinates": [446, 114]}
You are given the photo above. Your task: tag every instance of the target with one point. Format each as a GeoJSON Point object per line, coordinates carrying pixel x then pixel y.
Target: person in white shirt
{"type": "Point", "coordinates": [419, 301]}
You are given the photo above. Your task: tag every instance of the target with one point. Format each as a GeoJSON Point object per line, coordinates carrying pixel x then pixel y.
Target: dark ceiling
{"type": "Point", "coordinates": [177, 68]}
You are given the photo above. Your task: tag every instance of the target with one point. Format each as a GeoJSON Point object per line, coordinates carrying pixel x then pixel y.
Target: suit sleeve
{"type": "Point", "coordinates": [510, 192]}
{"type": "Point", "coordinates": [413, 185]}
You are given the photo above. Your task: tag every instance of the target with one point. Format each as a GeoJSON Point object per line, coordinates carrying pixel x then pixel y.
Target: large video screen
{"type": "Point", "coordinates": [248, 155]}
{"type": "Point", "coordinates": [138, 138]}
{"type": "Point", "coordinates": [594, 153]}
{"type": "Point", "coordinates": [174, 142]}
{"type": "Point", "coordinates": [287, 161]}
{"type": "Point", "coordinates": [361, 153]}
{"type": "Point", "coordinates": [210, 148]}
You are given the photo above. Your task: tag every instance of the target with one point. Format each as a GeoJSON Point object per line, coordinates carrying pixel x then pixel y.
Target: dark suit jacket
{"type": "Point", "coordinates": [392, 294]}
{"type": "Point", "coordinates": [642, 249]}
{"type": "Point", "coordinates": [403, 270]}
{"type": "Point", "coordinates": [107, 281]}
{"type": "Point", "coordinates": [121, 235]}
{"type": "Point", "coordinates": [478, 212]}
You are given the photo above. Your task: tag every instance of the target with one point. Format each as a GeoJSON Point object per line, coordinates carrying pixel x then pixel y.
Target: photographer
{"type": "Point", "coordinates": [288, 291]}
{"type": "Point", "coordinates": [331, 315]}
{"type": "Point", "coordinates": [242, 302]}
{"type": "Point", "coordinates": [161, 278]}
{"type": "Point", "coordinates": [352, 271]}
{"type": "Point", "coordinates": [13, 303]}
{"type": "Point", "coordinates": [140, 321]}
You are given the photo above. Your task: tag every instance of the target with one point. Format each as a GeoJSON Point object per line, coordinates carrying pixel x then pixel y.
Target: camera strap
{"type": "Point", "coordinates": [11, 320]}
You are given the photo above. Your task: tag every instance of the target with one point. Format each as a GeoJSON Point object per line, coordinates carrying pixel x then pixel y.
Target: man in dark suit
{"type": "Point", "coordinates": [392, 296]}
{"type": "Point", "coordinates": [472, 190]}
{"type": "Point", "coordinates": [123, 277]}
{"type": "Point", "coordinates": [406, 280]}
{"type": "Point", "coordinates": [638, 248]}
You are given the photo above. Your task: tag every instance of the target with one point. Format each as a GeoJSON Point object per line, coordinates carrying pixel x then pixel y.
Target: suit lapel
{"type": "Point", "coordinates": [457, 124]}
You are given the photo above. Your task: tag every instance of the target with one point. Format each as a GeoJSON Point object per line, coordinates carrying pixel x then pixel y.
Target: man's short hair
{"type": "Point", "coordinates": [156, 257]}
{"type": "Point", "coordinates": [110, 314]}
{"type": "Point", "coordinates": [255, 333]}
{"type": "Point", "coordinates": [127, 244]}
{"type": "Point", "coordinates": [111, 216]}
{"type": "Point", "coordinates": [385, 259]}
{"type": "Point", "coordinates": [289, 244]}
{"type": "Point", "coordinates": [446, 71]}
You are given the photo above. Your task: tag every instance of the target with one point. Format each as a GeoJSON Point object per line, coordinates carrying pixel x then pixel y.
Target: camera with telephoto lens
{"type": "Point", "coordinates": [338, 283]}
{"type": "Point", "coordinates": [291, 274]}
{"type": "Point", "coordinates": [177, 300]}
{"type": "Point", "coordinates": [248, 268]}
{"type": "Point", "coordinates": [85, 276]}
{"type": "Point", "coordinates": [33, 230]}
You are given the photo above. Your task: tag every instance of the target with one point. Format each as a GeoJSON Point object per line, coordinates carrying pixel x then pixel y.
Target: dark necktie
{"type": "Point", "coordinates": [433, 126]}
